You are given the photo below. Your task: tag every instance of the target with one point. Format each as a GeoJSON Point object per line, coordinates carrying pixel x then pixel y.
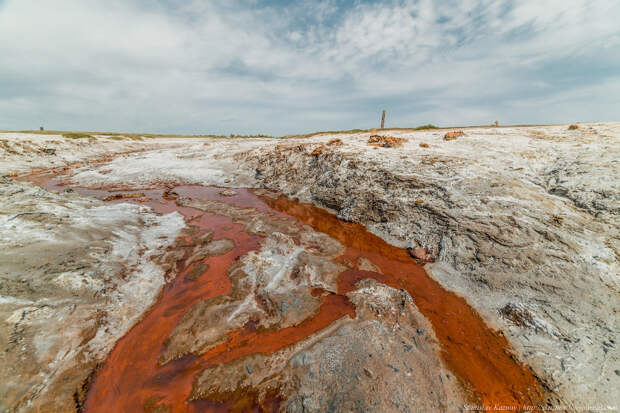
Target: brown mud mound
{"type": "Point", "coordinates": [318, 150]}
{"type": "Point", "coordinates": [385, 141]}
{"type": "Point", "coordinates": [450, 136]}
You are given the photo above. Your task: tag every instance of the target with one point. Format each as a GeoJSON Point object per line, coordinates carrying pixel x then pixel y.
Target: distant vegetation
{"type": "Point", "coordinates": [77, 135]}
{"type": "Point", "coordinates": [118, 136]}
{"type": "Point", "coordinates": [232, 135]}
{"type": "Point", "coordinates": [134, 136]}
{"type": "Point", "coordinates": [141, 136]}
{"type": "Point", "coordinates": [351, 131]}
{"type": "Point", "coordinates": [125, 137]}
{"type": "Point", "coordinates": [423, 127]}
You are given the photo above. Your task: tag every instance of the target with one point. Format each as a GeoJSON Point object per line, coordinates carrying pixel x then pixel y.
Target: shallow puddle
{"type": "Point", "coordinates": [132, 380]}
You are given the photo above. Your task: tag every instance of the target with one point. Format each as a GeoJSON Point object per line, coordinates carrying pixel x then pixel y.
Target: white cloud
{"type": "Point", "coordinates": [193, 66]}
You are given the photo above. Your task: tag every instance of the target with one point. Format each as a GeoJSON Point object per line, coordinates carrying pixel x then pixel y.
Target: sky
{"type": "Point", "coordinates": [281, 67]}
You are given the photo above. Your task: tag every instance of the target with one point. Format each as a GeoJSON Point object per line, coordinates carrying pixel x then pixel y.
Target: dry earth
{"type": "Point", "coordinates": [522, 222]}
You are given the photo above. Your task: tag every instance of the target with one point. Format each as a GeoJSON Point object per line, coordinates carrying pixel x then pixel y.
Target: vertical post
{"type": "Point", "coordinates": [383, 119]}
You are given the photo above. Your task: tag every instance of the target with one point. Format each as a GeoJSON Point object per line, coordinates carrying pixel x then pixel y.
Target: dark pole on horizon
{"type": "Point", "coordinates": [383, 119]}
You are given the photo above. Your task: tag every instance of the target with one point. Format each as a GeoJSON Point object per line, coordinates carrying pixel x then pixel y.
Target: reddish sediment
{"type": "Point", "coordinates": [478, 355]}
{"type": "Point", "coordinates": [132, 380]}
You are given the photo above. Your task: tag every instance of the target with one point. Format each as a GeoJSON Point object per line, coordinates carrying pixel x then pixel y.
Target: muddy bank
{"type": "Point", "coordinates": [299, 311]}
{"type": "Point", "coordinates": [521, 222]}
{"type": "Point", "coordinates": [296, 294]}
{"type": "Point", "coordinates": [75, 275]}
{"type": "Point", "coordinates": [23, 152]}
{"type": "Point", "coordinates": [518, 221]}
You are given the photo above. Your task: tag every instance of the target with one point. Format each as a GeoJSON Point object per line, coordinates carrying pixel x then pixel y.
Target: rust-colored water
{"type": "Point", "coordinates": [475, 353]}
{"type": "Point", "coordinates": [131, 379]}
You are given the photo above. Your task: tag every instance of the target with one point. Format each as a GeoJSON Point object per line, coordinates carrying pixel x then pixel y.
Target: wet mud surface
{"type": "Point", "coordinates": [134, 378]}
{"type": "Point", "coordinates": [477, 354]}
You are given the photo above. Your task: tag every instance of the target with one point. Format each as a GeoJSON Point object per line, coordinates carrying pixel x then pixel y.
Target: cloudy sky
{"type": "Point", "coordinates": [279, 67]}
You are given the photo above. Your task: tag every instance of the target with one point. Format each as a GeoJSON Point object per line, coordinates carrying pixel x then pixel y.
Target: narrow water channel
{"type": "Point", "coordinates": [132, 380]}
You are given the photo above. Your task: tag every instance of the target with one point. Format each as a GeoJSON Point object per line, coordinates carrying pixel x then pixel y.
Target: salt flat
{"type": "Point", "coordinates": [520, 221]}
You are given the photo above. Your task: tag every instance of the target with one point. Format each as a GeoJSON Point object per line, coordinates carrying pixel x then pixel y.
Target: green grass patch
{"type": "Point", "coordinates": [77, 135]}
{"type": "Point", "coordinates": [424, 127]}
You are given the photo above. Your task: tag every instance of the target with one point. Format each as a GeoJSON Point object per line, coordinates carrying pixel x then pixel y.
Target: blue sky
{"type": "Point", "coordinates": [279, 67]}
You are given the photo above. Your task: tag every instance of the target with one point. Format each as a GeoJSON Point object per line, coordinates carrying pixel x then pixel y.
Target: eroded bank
{"type": "Point", "coordinates": [155, 366]}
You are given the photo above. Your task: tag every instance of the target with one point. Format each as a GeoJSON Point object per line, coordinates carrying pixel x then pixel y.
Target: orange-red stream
{"type": "Point", "coordinates": [473, 351]}
{"type": "Point", "coordinates": [131, 378]}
